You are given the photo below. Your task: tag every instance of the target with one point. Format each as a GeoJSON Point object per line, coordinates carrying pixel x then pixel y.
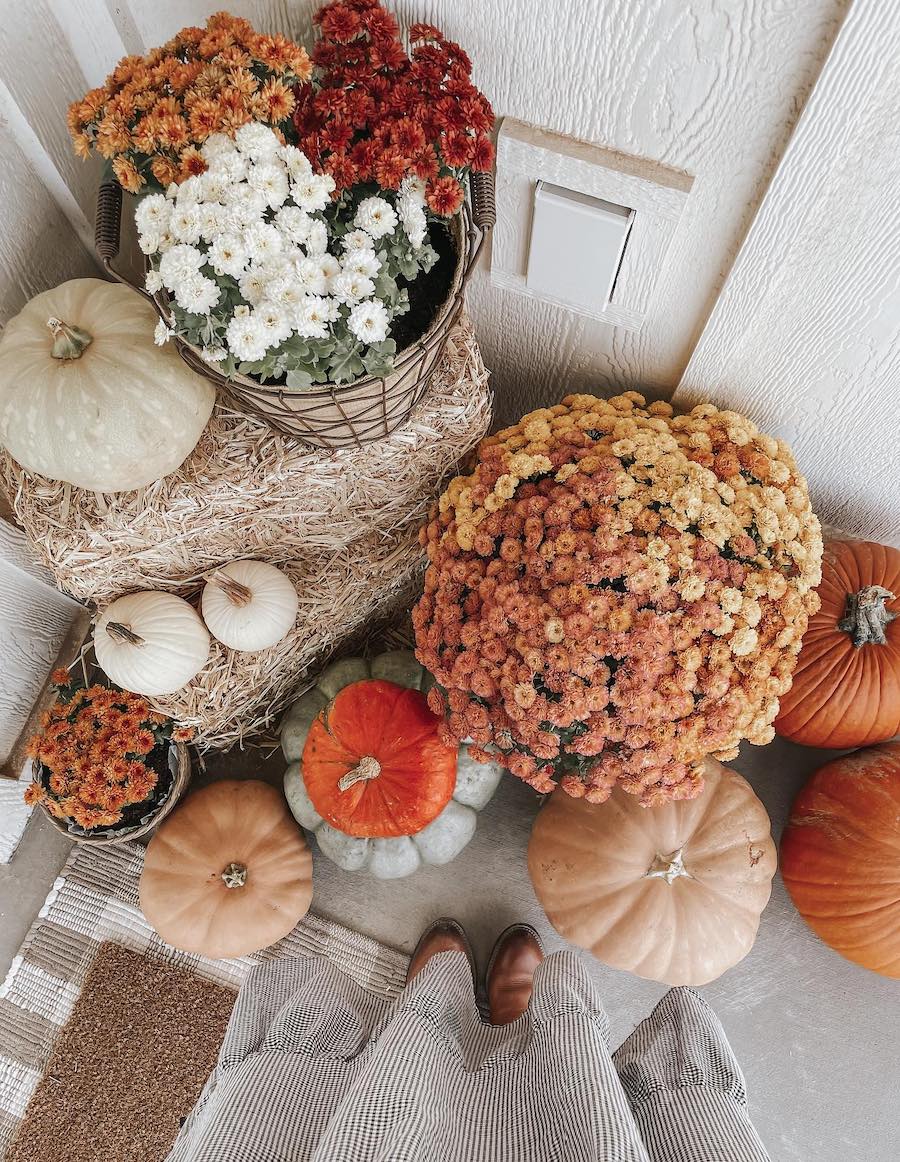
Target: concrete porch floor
{"type": "Point", "coordinates": [816, 1036]}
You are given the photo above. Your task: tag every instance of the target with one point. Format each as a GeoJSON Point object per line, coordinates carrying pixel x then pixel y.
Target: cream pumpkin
{"type": "Point", "coordinates": [673, 893]}
{"type": "Point", "coordinates": [249, 605]}
{"type": "Point", "coordinates": [150, 643]}
{"type": "Point", "coordinates": [228, 872]}
{"type": "Point", "coordinates": [87, 397]}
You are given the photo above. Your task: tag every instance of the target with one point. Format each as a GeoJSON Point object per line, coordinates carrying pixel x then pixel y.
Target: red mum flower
{"type": "Point", "coordinates": [380, 24]}
{"type": "Point", "coordinates": [336, 136]}
{"type": "Point", "coordinates": [387, 54]}
{"type": "Point", "coordinates": [444, 196]}
{"type": "Point", "coordinates": [457, 148]}
{"type": "Point", "coordinates": [424, 32]}
{"type": "Point", "coordinates": [483, 155]}
{"type": "Point", "coordinates": [340, 23]}
{"type": "Point", "coordinates": [408, 137]}
{"type": "Point", "coordinates": [425, 164]}
{"type": "Point", "coordinates": [330, 101]}
{"type": "Point", "coordinates": [342, 169]}
{"type": "Point", "coordinates": [363, 155]}
{"type": "Point", "coordinates": [390, 170]}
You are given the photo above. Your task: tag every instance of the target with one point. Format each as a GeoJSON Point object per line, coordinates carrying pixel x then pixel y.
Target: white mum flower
{"type": "Point", "coordinates": [369, 321]}
{"type": "Point", "coordinates": [253, 286]}
{"type": "Point", "coordinates": [364, 262]}
{"type": "Point", "coordinates": [311, 277]}
{"type": "Point", "coordinates": [312, 317]}
{"type": "Point", "coordinates": [415, 224]}
{"type": "Point", "coordinates": [316, 238]}
{"type": "Point", "coordinates": [178, 263]}
{"type": "Point", "coordinates": [293, 223]}
{"type": "Point", "coordinates": [152, 214]}
{"type": "Point", "coordinates": [257, 141]}
{"type": "Point", "coordinates": [165, 241]}
{"type": "Point", "coordinates": [212, 220]}
{"type": "Point", "coordinates": [228, 255]}
{"type": "Point", "coordinates": [217, 145]}
{"type": "Point", "coordinates": [213, 354]}
{"type": "Point", "coordinates": [215, 186]}
{"type": "Point", "coordinates": [313, 192]}
{"type": "Point", "coordinates": [162, 333]}
{"type": "Point", "coordinates": [414, 189]}
{"type": "Point", "coordinates": [153, 282]}
{"type": "Point", "coordinates": [148, 242]}
{"type": "Point", "coordinates": [270, 180]}
{"type": "Point", "coordinates": [185, 224]}
{"type": "Point", "coordinates": [296, 161]}
{"type": "Point", "coordinates": [349, 287]}
{"type": "Point", "coordinates": [275, 322]}
{"type": "Point", "coordinates": [286, 290]}
{"type": "Point", "coordinates": [246, 337]}
{"type": "Point", "coordinates": [357, 240]}
{"type": "Point", "coordinates": [190, 192]}
{"type": "Point", "coordinates": [230, 166]}
{"type": "Point", "coordinates": [262, 241]}
{"type": "Point", "coordinates": [198, 295]}
{"type": "Point", "coordinates": [376, 216]}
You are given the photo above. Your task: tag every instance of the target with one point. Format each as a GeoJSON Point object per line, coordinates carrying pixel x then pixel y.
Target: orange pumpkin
{"type": "Point", "coordinates": [840, 856]}
{"type": "Point", "coordinates": [846, 689]}
{"type": "Point", "coordinates": [373, 763]}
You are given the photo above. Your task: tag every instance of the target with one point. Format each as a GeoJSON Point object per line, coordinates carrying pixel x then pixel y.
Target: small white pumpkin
{"type": "Point", "coordinates": [87, 397]}
{"type": "Point", "coordinates": [150, 643]}
{"type": "Point", "coordinates": [387, 859]}
{"type": "Point", "coordinates": [249, 605]}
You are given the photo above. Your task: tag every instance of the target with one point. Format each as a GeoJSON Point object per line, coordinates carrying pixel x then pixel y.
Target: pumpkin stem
{"type": "Point", "coordinates": [235, 875]}
{"type": "Point", "coordinates": [236, 593]}
{"type": "Point", "coordinates": [367, 768]}
{"type": "Point", "coordinates": [867, 615]}
{"type": "Point", "coordinates": [69, 342]}
{"type": "Point", "coordinates": [667, 867]}
{"type": "Point", "coordinates": [123, 633]}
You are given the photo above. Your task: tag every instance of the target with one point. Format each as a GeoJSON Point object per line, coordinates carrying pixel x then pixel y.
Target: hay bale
{"type": "Point", "coordinates": [342, 525]}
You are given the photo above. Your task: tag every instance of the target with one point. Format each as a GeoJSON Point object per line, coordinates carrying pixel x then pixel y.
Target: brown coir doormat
{"type": "Point", "coordinates": [128, 1065]}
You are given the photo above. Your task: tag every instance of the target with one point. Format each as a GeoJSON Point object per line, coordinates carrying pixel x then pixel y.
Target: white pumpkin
{"type": "Point", "coordinates": [151, 643]}
{"type": "Point", "coordinates": [438, 843]}
{"type": "Point", "coordinates": [87, 397]}
{"type": "Point", "coordinates": [249, 605]}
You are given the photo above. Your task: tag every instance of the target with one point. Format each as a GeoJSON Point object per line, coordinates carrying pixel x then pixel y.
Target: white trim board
{"type": "Point", "coordinates": [805, 336]}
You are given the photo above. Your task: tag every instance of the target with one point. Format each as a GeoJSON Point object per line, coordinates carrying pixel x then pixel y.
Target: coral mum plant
{"type": "Point", "coordinates": [93, 753]}
{"type": "Point", "coordinates": [617, 591]}
{"type": "Point", "coordinates": [154, 112]}
{"type": "Point", "coordinates": [373, 114]}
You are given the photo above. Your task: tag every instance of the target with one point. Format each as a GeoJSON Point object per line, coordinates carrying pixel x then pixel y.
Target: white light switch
{"type": "Point", "coordinates": [577, 243]}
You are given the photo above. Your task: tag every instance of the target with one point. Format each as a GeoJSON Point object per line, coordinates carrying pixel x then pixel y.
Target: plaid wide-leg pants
{"type": "Point", "coordinates": [313, 1067]}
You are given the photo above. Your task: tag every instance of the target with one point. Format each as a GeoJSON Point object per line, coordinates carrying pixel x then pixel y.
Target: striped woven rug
{"type": "Point", "coordinates": [96, 899]}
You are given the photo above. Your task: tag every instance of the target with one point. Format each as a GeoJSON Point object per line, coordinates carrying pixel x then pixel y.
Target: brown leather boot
{"type": "Point", "coordinates": [510, 974]}
{"type": "Point", "coordinates": [443, 935]}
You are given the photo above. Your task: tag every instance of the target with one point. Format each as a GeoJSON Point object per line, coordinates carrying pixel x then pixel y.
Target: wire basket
{"type": "Point", "coordinates": [331, 415]}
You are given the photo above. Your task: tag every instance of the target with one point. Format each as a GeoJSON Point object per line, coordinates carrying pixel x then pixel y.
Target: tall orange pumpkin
{"type": "Point", "coordinates": [840, 856]}
{"type": "Point", "coordinates": [373, 763]}
{"type": "Point", "coordinates": [846, 689]}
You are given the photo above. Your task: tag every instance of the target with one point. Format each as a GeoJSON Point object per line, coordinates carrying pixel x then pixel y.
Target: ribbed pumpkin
{"type": "Point", "coordinates": [673, 893]}
{"type": "Point", "coordinates": [373, 763]}
{"type": "Point", "coordinates": [228, 872]}
{"type": "Point", "coordinates": [846, 689]}
{"type": "Point", "coordinates": [840, 856]}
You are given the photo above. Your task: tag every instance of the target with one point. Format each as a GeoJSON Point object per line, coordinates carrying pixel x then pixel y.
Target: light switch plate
{"type": "Point", "coordinates": [576, 246]}
{"type": "Point", "coordinates": [655, 193]}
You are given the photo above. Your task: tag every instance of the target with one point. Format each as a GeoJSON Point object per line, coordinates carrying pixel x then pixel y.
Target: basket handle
{"type": "Point", "coordinates": [108, 232]}
{"type": "Point", "coordinates": [484, 202]}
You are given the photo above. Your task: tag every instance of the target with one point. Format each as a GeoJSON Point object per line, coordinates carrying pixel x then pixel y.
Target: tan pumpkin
{"type": "Point", "coordinates": [228, 872]}
{"type": "Point", "coordinates": [673, 893]}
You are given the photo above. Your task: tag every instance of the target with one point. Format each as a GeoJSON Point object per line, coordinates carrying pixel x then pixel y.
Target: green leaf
{"type": "Point", "coordinates": [345, 365]}
{"type": "Point", "coordinates": [298, 380]}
